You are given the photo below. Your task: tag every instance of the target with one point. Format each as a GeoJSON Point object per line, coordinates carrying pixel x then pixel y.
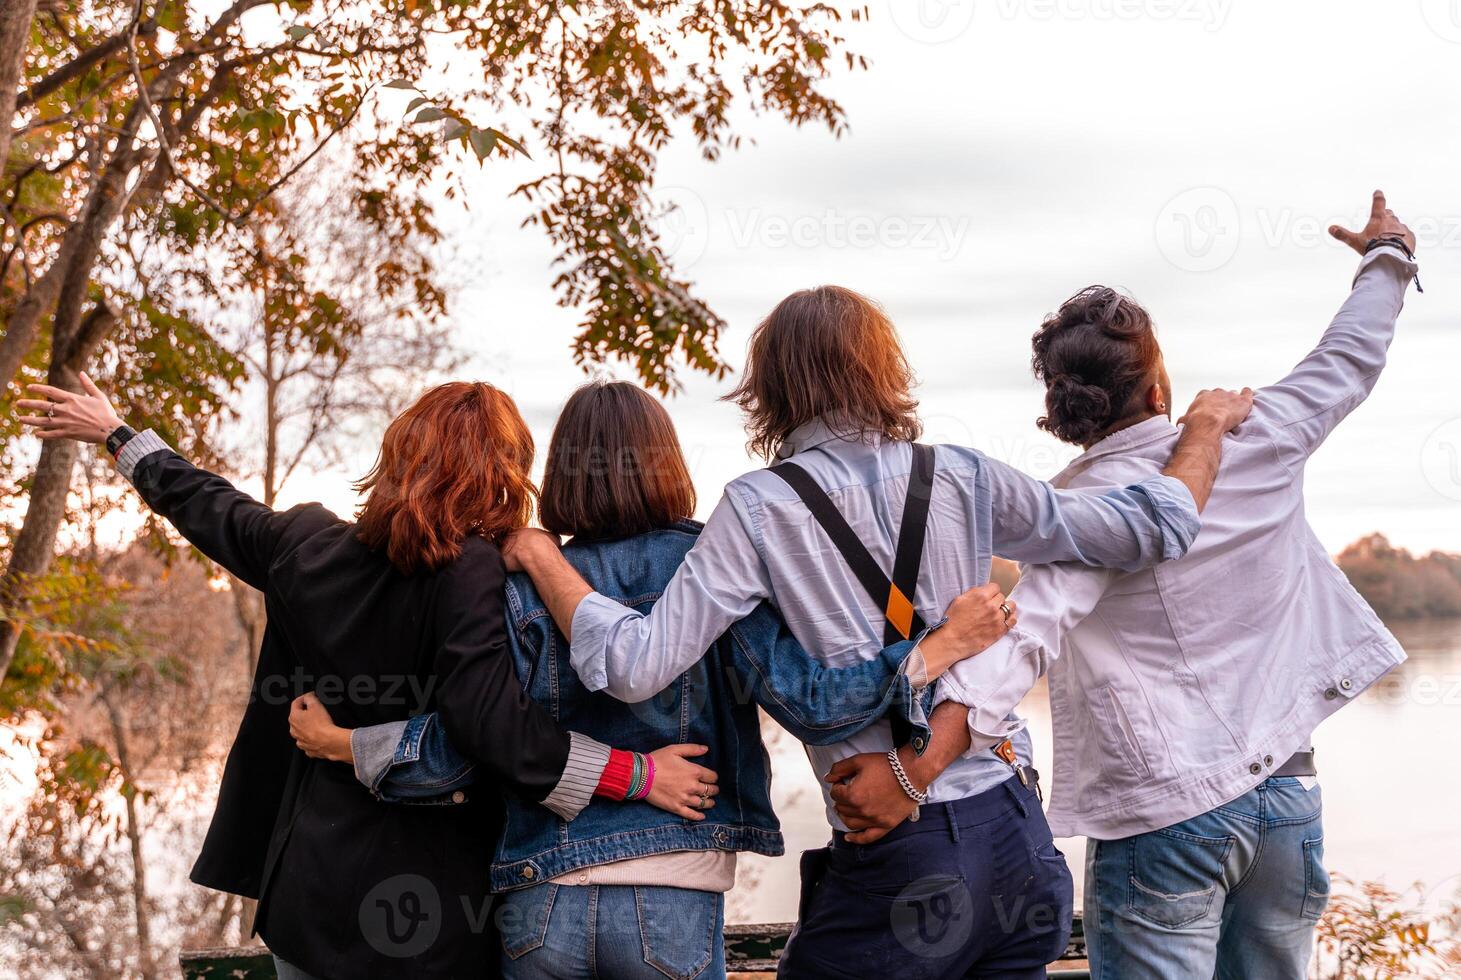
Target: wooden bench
{"type": "Point", "coordinates": [748, 950]}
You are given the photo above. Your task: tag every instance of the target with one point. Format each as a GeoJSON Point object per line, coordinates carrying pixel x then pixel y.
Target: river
{"type": "Point", "coordinates": [1388, 765]}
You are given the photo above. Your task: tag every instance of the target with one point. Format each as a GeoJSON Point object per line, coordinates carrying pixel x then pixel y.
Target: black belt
{"type": "Point", "coordinates": [1300, 764]}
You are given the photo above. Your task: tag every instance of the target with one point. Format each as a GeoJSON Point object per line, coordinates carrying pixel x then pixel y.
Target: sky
{"type": "Point", "coordinates": [1004, 154]}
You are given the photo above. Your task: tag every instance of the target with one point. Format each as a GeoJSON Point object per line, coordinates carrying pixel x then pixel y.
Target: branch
{"type": "Point", "coordinates": [145, 98]}
{"type": "Point", "coordinates": [78, 65]}
{"type": "Point", "coordinates": [168, 159]}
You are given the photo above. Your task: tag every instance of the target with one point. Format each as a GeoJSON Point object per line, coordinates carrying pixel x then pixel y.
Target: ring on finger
{"type": "Point", "coordinates": [1004, 607]}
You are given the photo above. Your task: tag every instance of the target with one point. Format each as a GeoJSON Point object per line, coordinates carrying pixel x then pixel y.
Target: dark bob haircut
{"type": "Point", "coordinates": [615, 468]}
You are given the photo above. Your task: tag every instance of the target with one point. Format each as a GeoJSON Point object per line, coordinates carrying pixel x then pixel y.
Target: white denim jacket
{"type": "Point", "coordinates": [1177, 689]}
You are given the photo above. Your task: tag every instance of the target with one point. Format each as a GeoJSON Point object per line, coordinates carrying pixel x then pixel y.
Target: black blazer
{"type": "Point", "coordinates": [349, 887]}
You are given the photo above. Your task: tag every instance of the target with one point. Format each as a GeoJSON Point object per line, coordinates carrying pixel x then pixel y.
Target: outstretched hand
{"type": "Point", "coordinates": [1382, 224]}
{"type": "Point", "coordinates": [62, 414]}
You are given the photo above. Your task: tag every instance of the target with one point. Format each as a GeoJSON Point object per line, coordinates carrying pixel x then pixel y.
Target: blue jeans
{"type": "Point", "coordinates": [1232, 894]}
{"type": "Point", "coordinates": [974, 889]}
{"type": "Point", "coordinates": [614, 932]}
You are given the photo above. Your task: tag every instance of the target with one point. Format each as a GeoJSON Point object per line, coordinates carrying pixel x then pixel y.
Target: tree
{"type": "Point", "coordinates": [129, 747]}
{"type": "Point", "coordinates": [168, 126]}
{"type": "Point", "coordinates": [335, 342]}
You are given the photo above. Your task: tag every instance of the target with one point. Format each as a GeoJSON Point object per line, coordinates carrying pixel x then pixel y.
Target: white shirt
{"type": "Point", "coordinates": [761, 543]}
{"type": "Point", "coordinates": [1177, 689]}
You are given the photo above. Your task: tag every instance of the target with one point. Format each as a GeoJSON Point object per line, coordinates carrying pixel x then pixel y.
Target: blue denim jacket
{"type": "Point", "coordinates": [757, 662]}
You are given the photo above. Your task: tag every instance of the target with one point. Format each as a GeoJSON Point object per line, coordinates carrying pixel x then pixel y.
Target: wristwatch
{"type": "Point", "coordinates": [120, 436]}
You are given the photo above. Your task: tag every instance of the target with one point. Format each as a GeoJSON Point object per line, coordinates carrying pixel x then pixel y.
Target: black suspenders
{"type": "Point", "coordinates": [894, 595]}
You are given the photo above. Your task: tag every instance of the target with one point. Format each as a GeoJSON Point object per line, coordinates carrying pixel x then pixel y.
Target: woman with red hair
{"type": "Point", "coordinates": [394, 616]}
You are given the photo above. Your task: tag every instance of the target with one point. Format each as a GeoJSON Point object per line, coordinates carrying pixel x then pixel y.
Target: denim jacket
{"type": "Point", "coordinates": [714, 703]}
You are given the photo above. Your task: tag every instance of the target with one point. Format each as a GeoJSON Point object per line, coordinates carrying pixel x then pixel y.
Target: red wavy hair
{"type": "Point", "coordinates": [456, 463]}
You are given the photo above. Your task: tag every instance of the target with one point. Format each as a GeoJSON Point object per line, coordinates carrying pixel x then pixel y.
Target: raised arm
{"type": "Point", "coordinates": [221, 521]}
{"type": "Point", "coordinates": [1339, 374]}
{"type": "Point", "coordinates": [1132, 528]}
{"type": "Point", "coordinates": [635, 656]}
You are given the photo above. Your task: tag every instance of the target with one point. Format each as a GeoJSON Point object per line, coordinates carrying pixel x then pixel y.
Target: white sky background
{"type": "Point", "coordinates": [1004, 154]}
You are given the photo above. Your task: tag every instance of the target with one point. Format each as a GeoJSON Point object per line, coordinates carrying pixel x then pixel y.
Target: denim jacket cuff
{"type": "Point", "coordinates": [904, 701]}
{"type": "Point", "coordinates": [374, 749]}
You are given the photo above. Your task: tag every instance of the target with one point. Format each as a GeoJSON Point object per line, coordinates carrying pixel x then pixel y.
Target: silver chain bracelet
{"type": "Point", "coordinates": [902, 776]}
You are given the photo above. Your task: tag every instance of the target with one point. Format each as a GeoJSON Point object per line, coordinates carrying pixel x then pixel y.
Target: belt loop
{"type": "Point", "coordinates": [1014, 795]}
{"type": "Point", "coordinates": [953, 821]}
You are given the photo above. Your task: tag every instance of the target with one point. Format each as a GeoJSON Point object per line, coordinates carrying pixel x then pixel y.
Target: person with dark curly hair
{"type": "Point", "coordinates": [1185, 696]}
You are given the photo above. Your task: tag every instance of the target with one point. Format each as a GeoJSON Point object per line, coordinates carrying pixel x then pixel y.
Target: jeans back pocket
{"type": "Point", "coordinates": [679, 928]}
{"type": "Point", "coordinates": [1174, 876]}
{"type": "Point", "coordinates": [522, 918]}
{"type": "Point", "coordinates": [1316, 880]}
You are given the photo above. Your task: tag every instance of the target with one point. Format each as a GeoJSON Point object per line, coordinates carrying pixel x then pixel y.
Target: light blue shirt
{"type": "Point", "coordinates": [761, 543]}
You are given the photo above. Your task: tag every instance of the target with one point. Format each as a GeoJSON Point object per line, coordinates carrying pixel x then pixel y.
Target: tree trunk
{"type": "Point", "coordinates": [15, 18]}
{"type": "Point", "coordinates": [141, 903]}
{"type": "Point", "coordinates": [46, 509]}
{"type": "Point", "coordinates": [79, 247]}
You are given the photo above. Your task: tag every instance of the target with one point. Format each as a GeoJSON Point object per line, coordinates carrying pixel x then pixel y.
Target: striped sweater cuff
{"type": "Point", "coordinates": [138, 448]}
{"type": "Point", "coordinates": [581, 774]}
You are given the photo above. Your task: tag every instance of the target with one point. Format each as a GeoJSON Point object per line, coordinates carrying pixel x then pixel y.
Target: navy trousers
{"type": "Point", "coordinates": [973, 889]}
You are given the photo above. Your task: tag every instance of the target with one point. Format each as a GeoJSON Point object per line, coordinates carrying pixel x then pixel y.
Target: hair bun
{"type": "Point", "coordinates": [1077, 411]}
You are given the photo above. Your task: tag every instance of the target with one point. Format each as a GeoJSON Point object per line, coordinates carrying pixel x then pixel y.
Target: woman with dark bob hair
{"type": "Point", "coordinates": [397, 615]}
{"type": "Point", "coordinates": [626, 891]}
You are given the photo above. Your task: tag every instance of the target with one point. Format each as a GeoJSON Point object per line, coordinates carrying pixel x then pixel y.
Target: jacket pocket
{"type": "Point", "coordinates": [1175, 876]}
{"type": "Point", "coordinates": [1316, 880]}
{"type": "Point", "coordinates": [678, 929]}
{"type": "Point", "coordinates": [1117, 725]}
{"type": "Point", "coordinates": [522, 918]}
